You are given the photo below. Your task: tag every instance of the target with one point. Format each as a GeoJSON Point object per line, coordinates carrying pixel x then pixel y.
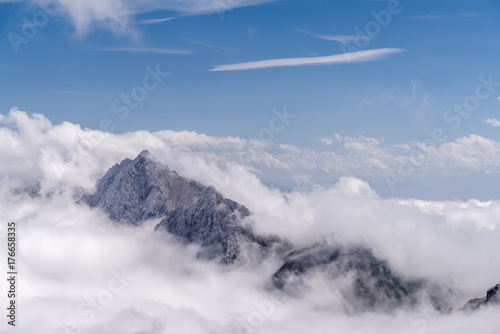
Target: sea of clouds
{"type": "Point", "coordinates": [80, 273]}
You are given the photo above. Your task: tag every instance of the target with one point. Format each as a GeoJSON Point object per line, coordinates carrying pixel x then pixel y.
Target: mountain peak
{"type": "Point", "coordinates": [145, 153]}
{"type": "Point", "coordinates": [135, 190]}
{"type": "Point", "coordinates": [146, 157]}
{"type": "Point", "coordinates": [145, 188]}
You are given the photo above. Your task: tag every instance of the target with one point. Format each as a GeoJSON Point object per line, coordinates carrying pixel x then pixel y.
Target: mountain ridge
{"type": "Point", "coordinates": [133, 191]}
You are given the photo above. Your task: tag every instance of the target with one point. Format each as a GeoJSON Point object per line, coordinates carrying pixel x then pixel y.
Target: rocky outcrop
{"type": "Point", "coordinates": [373, 284]}
{"type": "Point", "coordinates": [492, 297]}
{"type": "Point", "coordinates": [144, 188]}
{"type": "Point", "coordinates": [216, 224]}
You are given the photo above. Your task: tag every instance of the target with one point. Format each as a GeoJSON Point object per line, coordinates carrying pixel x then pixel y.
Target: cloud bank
{"type": "Point", "coordinates": [81, 273]}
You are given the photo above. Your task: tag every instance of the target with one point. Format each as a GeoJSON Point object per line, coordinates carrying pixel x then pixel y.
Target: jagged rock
{"type": "Point", "coordinates": [143, 188]}
{"type": "Point", "coordinates": [492, 297]}
{"type": "Point", "coordinates": [374, 285]}
{"type": "Point", "coordinates": [215, 223]}
{"type": "Point", "coordinates": [139, 189]}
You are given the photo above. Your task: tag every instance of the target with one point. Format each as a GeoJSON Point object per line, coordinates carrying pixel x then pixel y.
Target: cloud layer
{"type": "Point", "coordinates": [101, 278]}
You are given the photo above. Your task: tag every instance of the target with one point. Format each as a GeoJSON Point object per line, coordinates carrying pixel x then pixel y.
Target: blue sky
{"type": "Point", "coordinates": [71, 78]}
{"type": "Point", "coordinates": [407, 74]}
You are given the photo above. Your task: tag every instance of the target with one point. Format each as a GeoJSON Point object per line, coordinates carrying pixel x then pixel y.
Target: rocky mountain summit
{"type": "Point", "coordinates": [492, 297]}
{"type": "Point", "coordinates": [144, 188]}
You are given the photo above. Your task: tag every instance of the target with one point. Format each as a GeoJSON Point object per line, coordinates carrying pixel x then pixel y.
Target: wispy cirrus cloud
{"type": "Point", "coordinates": [148, 50]}
{"type": "Point", "coordinates": [119, 15]}
{"type": "Point", "coordinates": [353, 57]}
{"type": "Point", "coordinates": [445, 16]}
{"type": "Point", "coordinates": [344, 39]}
{"type": "Point", "coordinates": [155, 21]}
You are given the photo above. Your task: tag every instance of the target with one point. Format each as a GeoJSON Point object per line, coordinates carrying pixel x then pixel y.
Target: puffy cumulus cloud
{"type": "Point", "coordinates": [80, 273]}
{"type": "Point", "coordinates": [292, 166]}
{"type": "Point", "coordinates": [118, 15]}
{"type": "Point", "coordinates": [36, 150]}
{"type": "Point", "coordinates": [493, 122]}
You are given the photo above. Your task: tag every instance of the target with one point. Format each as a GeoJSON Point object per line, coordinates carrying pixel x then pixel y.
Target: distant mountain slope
{"type": "Point", "coordinates": [373, 284]}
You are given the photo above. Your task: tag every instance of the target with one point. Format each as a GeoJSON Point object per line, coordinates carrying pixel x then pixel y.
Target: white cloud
{"type": "Point", "coordinates": [493, 122]}
{"type": "Point", "coordinates": [352, 57]}
{"type": "Point", "coordinates": [362, 157]}
{"type": "Point", "coordinates": [70, 252]}
{"type": "Point", "coordinates": [155, 21]}
{"type": "Point", "coordinates": [326, 141]}
{"type": "Point", "coordinates": [118, 15]}
{"type": "Point", "coordinates": [193, 7]}
{"type": "Point", "coordinates": [445, 16]}
{"type": "Point", "coordinates": [146, 50]}
{"type": "Point", "coordinates": [193, 140]}
{"type": "Point", "coordinates": [344, 39]}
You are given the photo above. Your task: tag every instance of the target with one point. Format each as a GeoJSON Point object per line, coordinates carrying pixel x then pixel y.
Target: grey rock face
{"type": "Point", "coordinates": [492, 297]}
{"type": "Point", "coordinates": [374, 286]}
{"type": "Point", "coordinates": [215, 223]}
{"type": "Point", "coordinates": [144, 188]}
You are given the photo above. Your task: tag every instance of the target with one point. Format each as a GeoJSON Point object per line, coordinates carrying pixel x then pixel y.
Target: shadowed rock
{"type": "Point", "coordinates": [374, 286]}
{"type": "Point", "coordinates": [492, 297]}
